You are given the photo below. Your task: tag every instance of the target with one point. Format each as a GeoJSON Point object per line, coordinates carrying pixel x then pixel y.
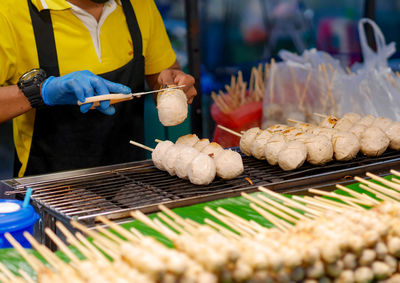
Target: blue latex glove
{"type": "Point", "coordinates": [77, 86]}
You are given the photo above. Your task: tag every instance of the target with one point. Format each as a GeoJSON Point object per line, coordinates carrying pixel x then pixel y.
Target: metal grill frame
{"type": "Point", "coordinates": [291, 181]}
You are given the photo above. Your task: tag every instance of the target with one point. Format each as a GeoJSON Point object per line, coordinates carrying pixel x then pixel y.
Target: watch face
{"type": "Point", "coordinates": [30, 75]}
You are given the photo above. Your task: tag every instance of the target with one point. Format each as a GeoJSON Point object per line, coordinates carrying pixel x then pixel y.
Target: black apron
{"type": "Point", "coordinates": [63, 137]}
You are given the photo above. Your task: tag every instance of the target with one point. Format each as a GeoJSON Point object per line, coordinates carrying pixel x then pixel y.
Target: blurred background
{"type": "Point", "coordinates": [237, 35]}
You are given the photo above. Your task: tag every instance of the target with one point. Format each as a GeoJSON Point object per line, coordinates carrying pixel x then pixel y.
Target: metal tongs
{"type": "Point", "coordinates": [119, 97]}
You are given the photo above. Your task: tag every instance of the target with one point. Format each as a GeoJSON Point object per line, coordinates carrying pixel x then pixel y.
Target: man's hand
{"type": "Point", "coordinates": [178, 77]}
{"type": "Point", "coordinates": [76, 86]}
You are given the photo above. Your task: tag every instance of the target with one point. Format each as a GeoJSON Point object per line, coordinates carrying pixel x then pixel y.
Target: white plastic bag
{"type": "Point", "coordinates": [373, 88]}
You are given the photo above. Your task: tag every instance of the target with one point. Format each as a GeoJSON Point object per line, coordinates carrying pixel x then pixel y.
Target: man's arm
{"type": "Point", "coordinates": [173, 76]}
{"type": "Point", "coordinates": [12, 103]}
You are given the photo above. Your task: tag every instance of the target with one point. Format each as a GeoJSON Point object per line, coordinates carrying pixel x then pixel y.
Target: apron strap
{"type": "Point", "coordinates": [133, 27]}
{"type": "Point", "coordinates": [44, 37]}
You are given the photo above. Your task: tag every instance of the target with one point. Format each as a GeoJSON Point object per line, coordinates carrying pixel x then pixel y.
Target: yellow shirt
{"type": "Point", "coordinates": [75, 49]}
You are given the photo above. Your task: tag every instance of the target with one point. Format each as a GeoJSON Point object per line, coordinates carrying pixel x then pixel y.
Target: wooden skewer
{"type": "Point", "coordinates": [227, 233]}
{"type": "Point", "coordinates": [282, 207]}
{"type": "Point", "coordinates": [229, 130]}
{"type": "Point", "coordinates": [141, 145]}
{"type": "Point", "coordinates": [32, 261]}
{"type": "Point", "coordinates": [314, 202]}
{"type": "Point", "coordinates": [320, 115]}
{"type": "Point", "coordinates": [332, 204]}
{"type": "Point", "coordinates": [73, 241]}
{"type": "Point", "coordinates": [117, 228]}
{"type": "Point", "coordinates": [159, 228]}
{"type": "Point", "coordinates": [356, 194]}
{"type": "Point", "coordinates": [87, 245]}
{"type": "Point", "coordinates": [171, 223]}
{"type": "Point", "coordinates": [271, 84]}
{"type": "Point", "coordinates": [341, 197]}
{"type": "Point", "coordinates": [270, 208]}
{"type": "Point", "coordinates": [281, 225]}
{"type": "Point", "coordinates": [345, 205]}
{"type": "Point", "coordinates": [394, 172]}
{"type": "Point", "coordinates": [8, 274]}
{"type": "Point", "coordinates": [376, 193]}
{"type": "Point", "coordinates": [187, 226]}
{"type": "Point", "coordinates": [296, 86]}
{"type": "Point", "coordinates": [25, 276]}
{"type": "Point", "coordinates": [228, 223]}
{"type": "Point", "coordinates": [388, 183]}
{"type": "Point", "coordinates": [110, 235]}
{"type": "Point", "coordinates": [45, 252]}
{"type": "Point", "coordinates": [61, 245]}
{"type": "Point", "coordinates": [396, 180]}
{"type": "Point", "coordinates": [382, 189]}
{"type": "Point", "coordinates": [304, 92]}
{"type": "Point", "coordinates": [288, 201]}
{"type": "Point", "coordinates": [236, 218]}
{"type": "Point", "coordinates": [348, 71]}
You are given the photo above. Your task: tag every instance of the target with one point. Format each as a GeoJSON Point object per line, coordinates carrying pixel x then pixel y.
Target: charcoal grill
{"type": "Point", "coordinates": [115, 190]}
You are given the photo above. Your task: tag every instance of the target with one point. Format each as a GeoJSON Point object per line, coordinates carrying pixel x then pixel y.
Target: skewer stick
{"type": "Point", "coordinates": [89, 246]}
{"type": "Point", "coordinates": [394, 172]}
{"type": "Point", "coordinates": [229, 131]}
{"type": "Point", "coordinates": [228, 223]}
{"type": "Point", "coordinates": [270, 218]}
{"type": "Point", "coordinates": [320, 115]}
{"type": "Point", "coordinates": [270, 208]}
{"type": "Point", "coordinates": [388, 183]}
{"type": "Point", "coordinates": [158, 141]}
{"type": "Point", "coordinates": [271, 77]}
{"type": "Point", "coordinates": [316, 203]}
{"type": "Point", "coordinates": [282, 207]}
{"type": "Point", "coordinates": [32, 261]}
{"type": "Point", "coordinates": [61, 245]}
{"type": "Point", "coordinates": [110, 235]}
{"type": "Point", "coordinates": [303, 94]}
{"type": "Point", "coordinates": [382, 189]}
{"type": "Point", "coordinates": [288, 201]}
{"type": "Point", "coordinates": [348, 70]}
{"type": "Point", "coordinates": [73, 241]}
{"type": "Point", "coordinates": [25, 276]}
{"type": "Point", "coordinates": [227, 233]}
{"type": "Point", "coordinates": [8, 274]}
{"type": "Point", "coordinates": [296, 86]}
{"type": "Point", "coordinates": [345, 205]}
{"type": "Point", "coordinates": [341, 197]}
{"type": "Point", "coordinates": [146, 220]}
{"type": "Point", "coordinates": [396, 180]}
{"type": "Point", "coordinates": [356, 194]}
{"type": "Point", "coordinates": [171, 223]}
{"type": "Point", "coordinates": [117, 228]}
{"type": "Point", "coordinates": [330, 203]}
{"type": "Point", "coordinates": [188, 226]}
{"type": "Point", "coordinates": [44, 251]}
{"type": "Point", "coordinates": [236, 218]}
{"type": "Point", "coordinates": [376, 193]}
{"type": "Point", "coordinates": [141, 145]}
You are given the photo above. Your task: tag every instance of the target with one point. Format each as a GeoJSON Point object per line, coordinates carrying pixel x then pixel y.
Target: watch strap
{"type": "Point", "coordinates": [32, 93]}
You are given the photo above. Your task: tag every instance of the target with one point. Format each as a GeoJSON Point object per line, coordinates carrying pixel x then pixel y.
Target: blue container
{"type": "Point", "coordinates": [15, 220]}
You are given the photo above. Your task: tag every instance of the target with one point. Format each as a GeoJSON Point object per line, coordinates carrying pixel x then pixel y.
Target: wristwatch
{"type": "Point", "coordinates": [29, 83]}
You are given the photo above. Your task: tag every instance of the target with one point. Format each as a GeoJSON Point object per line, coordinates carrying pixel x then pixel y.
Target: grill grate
{"type": "Point", "coordinates": [109, 192]}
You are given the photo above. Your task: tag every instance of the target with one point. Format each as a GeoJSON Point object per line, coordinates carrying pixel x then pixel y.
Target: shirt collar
{"type": "Point", "coordinates": [55, 4]}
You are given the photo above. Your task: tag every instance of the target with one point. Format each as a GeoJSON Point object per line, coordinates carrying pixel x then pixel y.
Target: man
{"type": "Point", "coordinates": [123, 42]}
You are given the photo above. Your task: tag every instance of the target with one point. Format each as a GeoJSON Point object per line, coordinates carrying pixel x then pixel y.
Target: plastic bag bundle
{"type": "Point", "coordinates": [373, 88]}
{"type": "Point", "coordinates": [301, 85]}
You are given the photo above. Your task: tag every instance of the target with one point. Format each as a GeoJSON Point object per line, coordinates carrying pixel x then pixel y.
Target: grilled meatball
{"type": "Point", "coordinates": [382, 123]}
{"type": "Point", "coordinates": [367, 120]}
{"type": "Point", "coordinates": [258, 145]}
{"type": "Point", "coordinates": [247, 139]}
{"type": "Point", "coordinates": [190, 139]}
{"type": "Point", "coordinates": [344, 124]}
{"type": "Point", "coordinates": [358, 129]}
{"type": "Point", "coordinates": [183, 160]}
{"type": "Point", "coordinates": [229, 164]}
{"type": "Point", "coordinates": [374, 142]}
{"type": "Point", "coordinates": [393, 132]}
{"type": "Point", "coordinates": [159, 152]}
{"type": "Point", "coordinates": [353, 117]}
{"type": "Point", "coordinates": [345, 145]}
{"type": "Point", "coordinates": [201, 144]}
{"type": "Point", "coordinates": [292, 156]}
{"type": "Point", "coordinates": [202, 170]}
{"type": "Point", "coordinates": [319, 150]}
{"type": "Point", "coordinates": [274, 145]}
{"type": "Point", "coordinates": [213, 149]}
{"type": "Point", "coordinates": [168, 160]}
{"type": "Point", "coordinates": [172, 107]}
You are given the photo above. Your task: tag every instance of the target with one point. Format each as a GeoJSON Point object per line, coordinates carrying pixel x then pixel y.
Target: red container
{"type": "Point", "coordinates": [241, 119]}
